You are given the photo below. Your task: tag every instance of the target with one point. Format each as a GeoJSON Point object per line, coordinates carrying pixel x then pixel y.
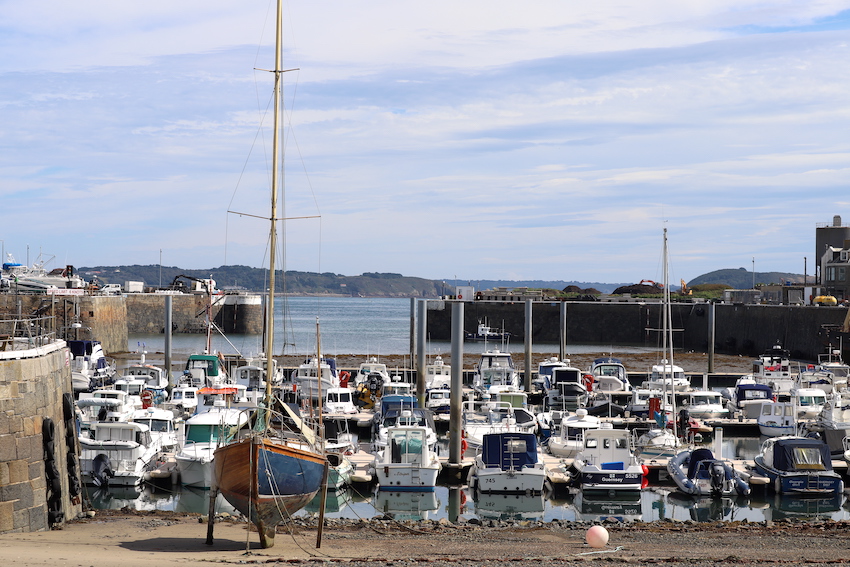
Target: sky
{"type": "Point", "coordinates": [549, 140]}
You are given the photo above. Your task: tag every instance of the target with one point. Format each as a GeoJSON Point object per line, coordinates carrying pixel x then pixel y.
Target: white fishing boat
{"type": "Point", "coordinates": [773, 368]}
{"type": "Point", "coordinates": [508, 462]}
{"type": "Point", "coordinates": [338, 401]}
{"type": "Point", "coordinates": [438, 374]}
{"type": "Point", "coordinates": [747, 397]}
{"type": "Point", "coordinates": [407, 462]}
{"type": "Point", "coordinates": [777, 419]}
{"type": "Point", "coordinates": [809, 402]}
{"type": "Point", "coordinates": [607, 462]}
{"type": "Point", "coordinates": [308, 375]}
{"type": "Point", "coordinates": [568, 389]}
{"type": "Point", "coordinates": [666, 376]}
{"type": "Point", "coordinates": [402, 417]}
{"type": "Point", "coordinates": [105, 405]}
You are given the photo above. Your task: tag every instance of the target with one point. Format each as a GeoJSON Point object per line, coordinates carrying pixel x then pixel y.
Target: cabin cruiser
{"type": "Point", "coordinates": [703, 404]}
{"type": "Point", "coordinates": [543, 381]}
{"type": "Point", "coordinates": [508, 462]}
{"type": "Point", "coordinates": [162, 426]}
{"type": "Point", "coordinates": [105, 405]}
{"type": "Point", "coordinates": [667, 377]}
{"type": "Point", "coordinates": [117, 453]}
{"type": "Point", "coordinates": [89, 365]}
{"type": "Point", "coordinates": [482, 417]}
{"type": "Point", "coordinates": [371, 368]}
{"type": "Point", "coordinates": [339, 401]}
{"type": "Point", "coordinates": [609, 375]}
{"type": "Point", "coordinates": [777, 419]}
{"type": "Point", "coordinates": [407, 462]}
{"type": "Point", "coordinates": [306, 378]}
{"type": "Point", "coordinates": [569, 438]}
{"type": "Point", "coordinates": [773, 368]}
{"type": "Point", "coordinates": [21, 278]}
{"type": "Point", "coordinates": [568, 390]}
{"type": "Point", "coordinates": [495, 372]}
{"type": "Point", "coordinates": [798, 465]}
{"type": "Point", "coordinates": [747, 398]}
{"type": "Point", "coordinates": [403, 417]}
{"type": "Point", "coordinates": [204, 370]}
{"type": "Point", "coordinates": [809, 402]}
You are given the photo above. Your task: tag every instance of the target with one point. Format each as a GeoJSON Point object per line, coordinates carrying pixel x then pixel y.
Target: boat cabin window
{"type": "Point", "coordinates": [516, 446]}
{"type": "Point", "coordinates": [202, 433]}
{"type": "Point", "coordinates": [158, 425]}
{"type": "Point", "coordinates": [755, 394]}
{"type": "Point", "coordinates": [808, 458]}
{"type": "Point", "coordinates": [811, 401]}
{"type": "Point", "coordinates": [591, 443]}
{"type": "Point", "coordinates": [616, 443]}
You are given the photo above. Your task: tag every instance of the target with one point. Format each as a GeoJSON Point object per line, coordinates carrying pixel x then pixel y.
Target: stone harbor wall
{"type": "Point", "coordinates": [39, 457]}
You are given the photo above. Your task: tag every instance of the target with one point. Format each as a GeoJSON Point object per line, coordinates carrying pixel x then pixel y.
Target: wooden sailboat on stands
{"type": "Point", "coordinates": [277, 467]}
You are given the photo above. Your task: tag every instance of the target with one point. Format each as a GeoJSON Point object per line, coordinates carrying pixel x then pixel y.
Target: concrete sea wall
{"type": "Point", "coordinates": [739, 329]}
{"type": "Point", "coordinates": [37, 485]}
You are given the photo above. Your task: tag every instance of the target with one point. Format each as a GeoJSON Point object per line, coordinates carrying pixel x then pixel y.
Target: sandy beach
{"type": "Point", "coordinates": [144, 539]}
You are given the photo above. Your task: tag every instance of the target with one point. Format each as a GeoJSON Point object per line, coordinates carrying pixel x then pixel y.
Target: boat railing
{"type": "Point", "coordinates": [24, 333]}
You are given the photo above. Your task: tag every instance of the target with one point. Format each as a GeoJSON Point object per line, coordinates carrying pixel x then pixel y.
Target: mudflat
{"type": "Point", "coordinates": [146, 539]}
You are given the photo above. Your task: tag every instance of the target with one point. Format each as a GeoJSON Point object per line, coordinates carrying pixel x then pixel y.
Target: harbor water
{"type": "Point", "coordinates": [378, 326]}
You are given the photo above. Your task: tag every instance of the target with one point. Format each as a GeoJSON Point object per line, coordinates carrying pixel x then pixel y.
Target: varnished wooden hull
{"type": "Point", "coordinates": [267, 481]}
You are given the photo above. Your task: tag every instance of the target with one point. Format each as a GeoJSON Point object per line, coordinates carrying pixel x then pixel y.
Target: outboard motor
{"type": "Point", "coordinates": [101, 471]}
{"type": "Point", "coordinates": [718, 477]}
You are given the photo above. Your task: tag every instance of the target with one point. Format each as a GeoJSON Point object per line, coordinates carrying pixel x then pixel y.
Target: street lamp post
{"type": "Point", "coordinates": [754, 272]}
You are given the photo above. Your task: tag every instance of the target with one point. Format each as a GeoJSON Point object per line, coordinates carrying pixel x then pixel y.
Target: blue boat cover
{"type": "Point", "coordinates": [697, 455]}
{"type": "Point", "coordinates": [81, 347]}
{"type": "Point", "coordinates": [508, 451]}
{"type": "Point", "coordinates": [801, 454]}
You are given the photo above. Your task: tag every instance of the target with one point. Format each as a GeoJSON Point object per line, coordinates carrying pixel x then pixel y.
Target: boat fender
{"type": "Point", "coordinates": [645, 470]}
{"type": "Point", "coordinates": [742, 487]}
{"type": "Point", "coordinates": [463, 446]}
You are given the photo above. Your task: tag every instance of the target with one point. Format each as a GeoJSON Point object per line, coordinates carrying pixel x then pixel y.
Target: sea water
{"type": "Point", "coordinates": [346, 325]}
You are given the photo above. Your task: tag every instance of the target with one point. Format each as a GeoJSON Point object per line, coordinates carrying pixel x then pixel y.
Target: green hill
{"type": "Point", "coordinates": [743, 278]}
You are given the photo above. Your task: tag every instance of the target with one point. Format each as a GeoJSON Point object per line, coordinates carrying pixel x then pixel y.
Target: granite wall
{"type": "Point", "coordinates": [39, 478]}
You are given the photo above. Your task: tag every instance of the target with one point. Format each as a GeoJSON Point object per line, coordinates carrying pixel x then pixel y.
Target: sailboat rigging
{"type": "Point", "coordinates": [272, 471]}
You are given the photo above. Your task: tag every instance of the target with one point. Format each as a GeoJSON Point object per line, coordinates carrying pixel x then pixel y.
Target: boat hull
{"type": "Point", "coordinates": [267, 481]}
{"type": "Point", "coordinates": [816, 483]}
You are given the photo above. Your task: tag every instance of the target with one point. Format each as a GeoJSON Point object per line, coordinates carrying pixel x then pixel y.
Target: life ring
{"type": "Point", "coordinates": [147, 399]}
{"type": "Point", "coordinates": [463, 446]}
{"type": "Point", "coordinates": [587, 380]}
{"type": "Point", "coordinates": [462, 499]}
{"type": "Point", "coordinates": [459, 296]}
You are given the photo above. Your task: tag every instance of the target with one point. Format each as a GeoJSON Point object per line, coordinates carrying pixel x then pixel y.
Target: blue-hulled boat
{"type": "Point", "coordinates": [798, 465]}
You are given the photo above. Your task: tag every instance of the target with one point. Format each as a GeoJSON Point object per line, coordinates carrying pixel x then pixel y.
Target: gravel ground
{"type": "Point", "coordinates": [135, 537]}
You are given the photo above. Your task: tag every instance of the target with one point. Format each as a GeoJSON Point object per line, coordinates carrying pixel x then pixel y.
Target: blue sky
{"type": "Point", "coordinates": [476, 140]}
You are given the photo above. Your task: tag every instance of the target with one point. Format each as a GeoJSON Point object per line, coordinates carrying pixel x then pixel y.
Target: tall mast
{"type": "Point", "coordinates": [276, 150]}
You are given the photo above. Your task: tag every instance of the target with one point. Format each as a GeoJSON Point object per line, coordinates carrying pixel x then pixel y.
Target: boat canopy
{"type": "Point", "coordinates": [82, 347]}
{"type": "Point", "coordinates": [753, 392]}
{"type": "Point", "coordinates": [801, 454]}
{"type": "Point", "coordinates": [508, 451]}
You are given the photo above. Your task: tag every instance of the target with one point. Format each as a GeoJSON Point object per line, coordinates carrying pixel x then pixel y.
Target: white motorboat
{"type": "Point", "coordinates": [308, 374]}
{"type": "Point", "coordinates": [609, 375]}
{"type": "Point", "coordinates": [483, 417]}
{"type": "Point", "coordinates": [374, 369]}
{"type": "Point", "coordinates": [568, 389]}
{"type": "Point", "coordinates": [494, 373]}
{"type": "Point", "coordinates": [204, 370]}
{"type": "Point", "coordinates": [407, 462]}
{"type": "Point", "coordinates": [773, 368]}
{"type": "Point", "coordinates": [809, 402]}
{"type": "Point", "coordinates": [667, 377]}
{"type": "Point", "coordinates": [543, 381]}
{"type": "Point", "coordinates": [402, 417]}
{"type": "Point", "coordinates": [162, 426]}
{"type": "Point", "coordinates": [117, 453]}
{"type": "Point", "coordinates": [777, 419]}
{"type": "Point", "coordinates": [206, 432]}
{"type": "Point", "coordinates": [438, 400]}
{"type": "Point", "coordinates": [569, 439]}
{"type": "Point", "coordinates": [339, 401]}
{"type": "Point", "coordinates": [89, 363]}
{"type": "Point", "coordinates": [508, 462]}
{"type": "Point", "coordinates": [607, 462]}
{"type": "Point", "coordinates": [105, 405]}
{"type": "Point", "coordinates": [703, 404]}
{"type": "Point", "coordinates": [747, 397]}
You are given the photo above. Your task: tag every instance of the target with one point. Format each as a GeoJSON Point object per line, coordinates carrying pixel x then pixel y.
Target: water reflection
{"type": "Point", "coordinates": [657, 503]}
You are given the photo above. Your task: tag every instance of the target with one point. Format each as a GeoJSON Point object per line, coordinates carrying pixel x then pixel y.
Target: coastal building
{"type": "Point", "coordinates": [832, 250]}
